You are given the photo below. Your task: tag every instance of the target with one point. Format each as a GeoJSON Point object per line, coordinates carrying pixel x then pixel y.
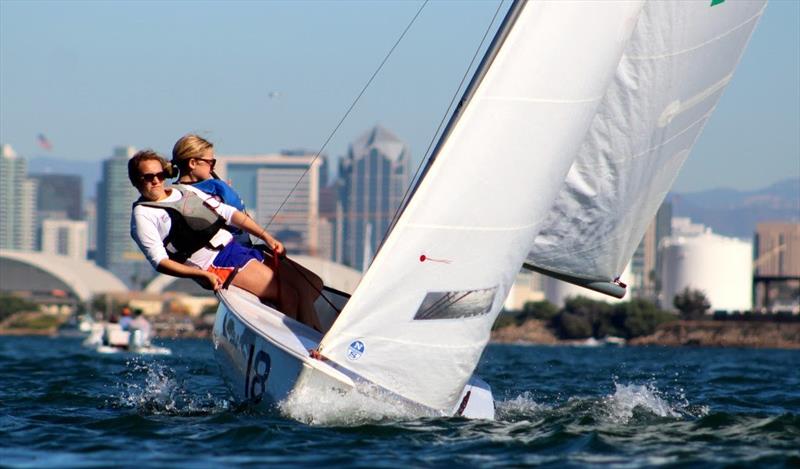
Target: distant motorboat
{"type": "Point", "coordinates": [110, 338]}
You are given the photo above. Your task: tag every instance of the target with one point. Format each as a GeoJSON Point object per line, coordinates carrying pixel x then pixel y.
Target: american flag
{"type": "Point", "coordinates": [43, 142]}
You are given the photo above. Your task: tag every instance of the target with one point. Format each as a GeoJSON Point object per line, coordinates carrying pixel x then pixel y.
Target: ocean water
{"type": "Point", "coordinates": [65, 406]}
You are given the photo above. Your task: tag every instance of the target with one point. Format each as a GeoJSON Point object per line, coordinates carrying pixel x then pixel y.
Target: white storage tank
{"type": "Point", "coordinates": [719, 266]}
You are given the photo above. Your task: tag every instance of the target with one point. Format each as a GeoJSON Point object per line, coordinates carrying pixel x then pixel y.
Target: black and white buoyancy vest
{"type": "Point", "coordinates": [194, 224]}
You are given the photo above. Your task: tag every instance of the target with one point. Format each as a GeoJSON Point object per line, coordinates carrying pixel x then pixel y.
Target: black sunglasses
{"type": "Point", "coordinates": [211, 162]}
{"type": "Point", "coordinates": [150, 177]}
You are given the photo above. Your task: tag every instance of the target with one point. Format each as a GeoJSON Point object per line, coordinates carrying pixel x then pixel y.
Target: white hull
{"type": "Point", "coordinates": [264, 358]}
{"type": "Point", "coordinates": [107, 338]}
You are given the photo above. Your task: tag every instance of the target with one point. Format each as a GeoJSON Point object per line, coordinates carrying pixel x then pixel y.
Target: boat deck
{"type": "Point", "coordinates": [292, 336]}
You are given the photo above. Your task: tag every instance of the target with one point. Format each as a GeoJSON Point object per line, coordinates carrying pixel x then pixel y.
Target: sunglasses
{"type": "Point", "coordinates": [150, 177]}
{"type": "Point", "coordinates": [210, 162]}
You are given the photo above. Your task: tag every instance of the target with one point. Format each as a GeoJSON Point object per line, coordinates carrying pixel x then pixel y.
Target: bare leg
{"type": "Point", "coordinates": [259, 280]}
{"type": "Point", "coordinates": [308, 285]}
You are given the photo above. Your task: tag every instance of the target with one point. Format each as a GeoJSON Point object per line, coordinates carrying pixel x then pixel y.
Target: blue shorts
{"type": "Point", "coordinates": [231, 257]}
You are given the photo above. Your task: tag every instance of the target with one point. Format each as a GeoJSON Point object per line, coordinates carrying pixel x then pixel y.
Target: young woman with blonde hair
{"type": "Point", "coordinates": [205, 251]}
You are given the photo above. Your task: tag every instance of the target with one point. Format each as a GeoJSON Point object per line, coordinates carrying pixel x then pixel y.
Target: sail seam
{"type": "Point", "coordinates": [646, 152]}
{"type": "Point", "coordinates": [702, 44]}
{"type": "Point", "coordinates": [471, 228]}
{"type": "Point", "coordinates": [592, 99]}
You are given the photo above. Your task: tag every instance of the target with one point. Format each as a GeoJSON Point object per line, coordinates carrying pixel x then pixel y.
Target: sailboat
{"type": "Point", "coordinates": [565, 143]}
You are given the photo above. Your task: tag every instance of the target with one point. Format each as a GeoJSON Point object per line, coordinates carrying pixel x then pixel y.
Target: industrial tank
{"type": "Point", "coordinates": [719, 266]}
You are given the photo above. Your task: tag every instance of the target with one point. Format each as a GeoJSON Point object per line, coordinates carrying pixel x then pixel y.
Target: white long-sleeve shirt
{"type": "Point", "coordinates": [150, 227]}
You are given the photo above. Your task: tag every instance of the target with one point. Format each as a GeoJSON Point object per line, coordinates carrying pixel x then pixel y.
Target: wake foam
{"type": "Point", "coordinates": [152, 388]}
{"type": "Point", "coordinates": [624, 405]}
{"type": "Point", "coordinates": [331, 407]}
{"type": "Point", "coordinates": [620, 406]}
{"type": "Point", "coordinates": [522, 406]}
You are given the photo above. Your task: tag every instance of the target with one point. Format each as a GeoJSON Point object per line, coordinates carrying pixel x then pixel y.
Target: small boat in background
{"type": "Point", "coordinates": [108, 338]}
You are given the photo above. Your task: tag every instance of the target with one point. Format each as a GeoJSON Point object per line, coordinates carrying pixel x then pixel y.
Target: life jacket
{"type": "Point", "coordinates": [194, 224]}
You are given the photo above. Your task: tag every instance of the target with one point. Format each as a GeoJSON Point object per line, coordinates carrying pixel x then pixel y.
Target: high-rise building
{"type": "Point", "coordinates": [116, 250]}
{"type": "Point", "coordinates": [58, 197]}
{"type": "Point", "coordinates": [65, 238]}
{"type": "Point", "coordinates": [777, 266]}
{"type": "Point", "coordinates": [375, 175]}
{"type": "Point", "coordinates": [281, 192]}
{"type": "Point", "coordinates": [777, 249]}
{"type": "Point", "coordinates": [17, 202]}
{"type": "Point", "coordinates": [646, 261]}
{"type": "Point", "coordinates": [90, 215]}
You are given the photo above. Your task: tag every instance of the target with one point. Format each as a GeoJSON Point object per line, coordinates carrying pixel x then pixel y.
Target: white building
{"type": "Point", "coordinates": [65, 238]}
{"type": "Point", "coordinates": [720, 267]}
{"type": "Point", "coordinates": [527, 287]}
{"type": "Point", "coordinates": [265, 181]}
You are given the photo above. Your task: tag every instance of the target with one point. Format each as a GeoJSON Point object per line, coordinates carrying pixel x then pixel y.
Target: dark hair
{"type": "Point", "coordinates": [145, 155]}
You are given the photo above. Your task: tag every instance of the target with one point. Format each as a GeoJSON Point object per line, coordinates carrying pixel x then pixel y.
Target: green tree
{"type": "Point", "coordinates": [596, 313]}
{"type": "Point", "coordinates": [543, 310]}
{"type": "Point", "coordinates": [638, 317]}
{"type": "Point", "coordinates": [692, 304]}
{"type": "Point", "coordinates": [573, 326]}
{"type": "Point", "coordinates": [10, 304]}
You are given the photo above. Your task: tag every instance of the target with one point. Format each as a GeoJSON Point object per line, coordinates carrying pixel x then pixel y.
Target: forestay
{"type": "Point", "coordinates": [680, 58]}
{"type": "Point", "coordinates": [421, 317]}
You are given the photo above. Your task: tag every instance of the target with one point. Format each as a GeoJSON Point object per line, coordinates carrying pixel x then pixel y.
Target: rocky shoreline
{"type": "Point", "coordinates": [750, 334]}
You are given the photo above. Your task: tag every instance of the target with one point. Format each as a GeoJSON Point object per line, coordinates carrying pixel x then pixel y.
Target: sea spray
{"type": "Point", "coordinates": [520, 407]}
{"type": "Point", "coordinates": [153, 388]}
{"type": "Point", "coordinates": [328, 406]}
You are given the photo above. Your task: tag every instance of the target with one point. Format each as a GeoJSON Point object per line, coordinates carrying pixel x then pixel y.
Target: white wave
{"type": "Point", "coordinates": [627, 397]}
{"type": "Point", "coordinates": [316, 406]}
{"type": "Point", "coordinates": [161, 392]}
{"type": "Point", "coordinates": [521, 406]}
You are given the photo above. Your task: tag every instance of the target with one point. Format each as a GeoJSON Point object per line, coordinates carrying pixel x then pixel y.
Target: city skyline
{"type": "Point", "coordinates": [263, 77]}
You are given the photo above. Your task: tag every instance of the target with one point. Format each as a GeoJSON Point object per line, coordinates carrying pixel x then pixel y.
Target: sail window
{"type": "Point", "coordinates": [456, 304]}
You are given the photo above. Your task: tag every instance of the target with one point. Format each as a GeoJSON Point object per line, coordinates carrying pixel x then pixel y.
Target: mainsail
{"type": "Point", "coordinates": [679, 59]}
{"type": "Point", "coordinates": [421, 316]}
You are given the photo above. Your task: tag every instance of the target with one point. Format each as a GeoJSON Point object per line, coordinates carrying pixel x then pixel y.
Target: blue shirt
{"type": "Point", "coordinates": [221, 189]}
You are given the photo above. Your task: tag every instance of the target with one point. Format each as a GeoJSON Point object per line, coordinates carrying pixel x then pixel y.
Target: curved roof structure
{"type": "Point", "coordinates": [333, 274]}
{"type": "Point", "coordinates": [38, 271]}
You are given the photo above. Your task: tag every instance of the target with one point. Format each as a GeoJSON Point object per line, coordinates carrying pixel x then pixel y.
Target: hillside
{"type": "Point", "coordinates": [735, 213]}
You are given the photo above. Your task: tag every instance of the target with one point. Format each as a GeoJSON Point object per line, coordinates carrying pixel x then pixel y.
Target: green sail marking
{"type": "Point", "coordinates": [716, 2]}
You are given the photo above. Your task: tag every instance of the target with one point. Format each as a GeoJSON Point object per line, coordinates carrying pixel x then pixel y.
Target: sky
{"type": "Point", "coordinates": [264, 76]}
